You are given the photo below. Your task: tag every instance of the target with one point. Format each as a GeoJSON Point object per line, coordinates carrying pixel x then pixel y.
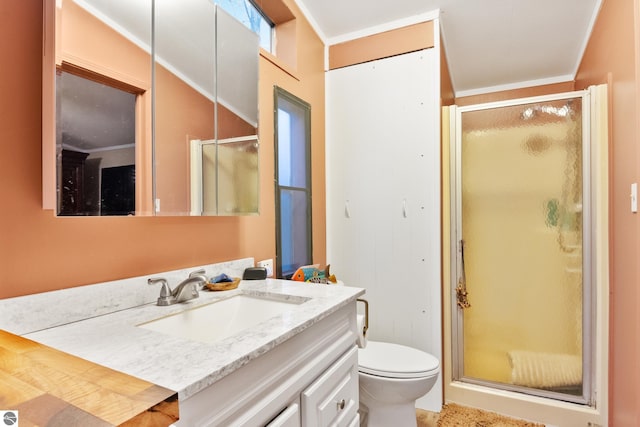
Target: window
{"type": "Point", "coordinates": [293, 183]}
{"type": "Point", "coordinates": [253, 18]}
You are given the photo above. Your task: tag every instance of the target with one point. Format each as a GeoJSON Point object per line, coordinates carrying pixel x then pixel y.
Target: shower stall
{"type": "Point", "coordinates": [522, 288]}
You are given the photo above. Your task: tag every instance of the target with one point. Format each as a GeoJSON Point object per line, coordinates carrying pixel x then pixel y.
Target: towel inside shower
{"type": "Point", "coordinates": [545, 370]}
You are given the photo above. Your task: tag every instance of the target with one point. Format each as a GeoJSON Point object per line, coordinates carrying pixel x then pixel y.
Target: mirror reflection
{"type": "Point", "coordinates": [95, 146]}
{"type": "Point", "coordinates": [103, 93]}
{"type": "Point", "coordinates": [205, 97]}
{"type": "Point", "coordinates": [204, 78]}
{"type": "Point", "coordinates": [237, 85]}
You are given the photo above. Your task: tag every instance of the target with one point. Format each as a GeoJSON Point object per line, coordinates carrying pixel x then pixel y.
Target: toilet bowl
{"type": "Point", "coordinates": [392, 377]}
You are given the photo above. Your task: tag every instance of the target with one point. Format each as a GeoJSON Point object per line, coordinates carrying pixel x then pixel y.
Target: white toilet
{"type": "Point", "coordinates": [392, 377]}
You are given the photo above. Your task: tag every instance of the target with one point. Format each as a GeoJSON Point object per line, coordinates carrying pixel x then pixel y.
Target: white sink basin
{"type": "Point", "coordinates": [221, 319]}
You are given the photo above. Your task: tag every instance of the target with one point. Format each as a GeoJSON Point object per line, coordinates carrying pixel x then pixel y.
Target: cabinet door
{"type": "Point", "coordinates": [290, 417]}
{"type": "Point", "coordinates": [332, 399]}
{"type": "Point", "coordinates": [383, 192]}
{"type": "Point", "coordinates": [355, 422]}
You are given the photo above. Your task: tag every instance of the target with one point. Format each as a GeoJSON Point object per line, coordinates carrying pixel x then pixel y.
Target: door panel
{"type": "Point", "coordinates": [520, 237]}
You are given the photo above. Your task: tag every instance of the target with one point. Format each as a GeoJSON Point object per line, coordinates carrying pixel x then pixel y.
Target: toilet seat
{"type": "Point", "coordinates": [396, 361]}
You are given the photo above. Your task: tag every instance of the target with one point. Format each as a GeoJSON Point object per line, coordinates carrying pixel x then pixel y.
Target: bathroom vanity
{"type": "Point", "coordinates": [309, 380]}
{"type": "Point", "coordinates": [297, 367]}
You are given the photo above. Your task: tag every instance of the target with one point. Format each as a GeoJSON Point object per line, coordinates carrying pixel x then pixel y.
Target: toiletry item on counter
{"type": "Point", "coordinates": [254, 273]}
{"type": "Point", "coordinates": [222, 282]}
{"type": "Point", "coordinates": [220, 278]}
{"type": "Point", "coordinates": [313, 274]}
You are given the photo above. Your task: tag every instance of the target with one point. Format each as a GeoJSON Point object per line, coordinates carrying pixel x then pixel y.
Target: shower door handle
{"type": "Point", "coordinates": [462, 296]}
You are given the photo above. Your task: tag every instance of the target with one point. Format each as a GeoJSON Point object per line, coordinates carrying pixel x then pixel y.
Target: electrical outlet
{"type": "Point", "coordinates": [268, 265]}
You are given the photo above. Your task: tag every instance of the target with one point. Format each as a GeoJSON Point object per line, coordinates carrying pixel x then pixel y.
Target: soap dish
{"type": "Point", "coordinates": [223, 286]}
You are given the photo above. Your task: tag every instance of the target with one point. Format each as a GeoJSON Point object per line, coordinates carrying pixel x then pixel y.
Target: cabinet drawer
{"type": "Point", "coordinates": [290, 417]}
{"type": "Point", "coordinates": [332, 399]}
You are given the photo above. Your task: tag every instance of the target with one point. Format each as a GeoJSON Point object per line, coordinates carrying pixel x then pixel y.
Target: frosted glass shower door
{"type": "Point", "coordinates": [520, 239]}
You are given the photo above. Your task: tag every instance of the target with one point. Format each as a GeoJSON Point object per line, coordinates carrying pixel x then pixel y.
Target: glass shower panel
{"type": "Point", "coordinates": [521, 235]}
{"type": "Point", "coordinates": [209, 179]}
{"type": "Point", "coordinates": [238, 177]}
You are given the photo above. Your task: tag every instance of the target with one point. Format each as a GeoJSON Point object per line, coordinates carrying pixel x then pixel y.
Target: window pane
{"type": "Point", "coordinates": [294, 216]}
{"type": "Point", "coordinates": [292, 157]}
{"type": "Point", "coordinates": [251, 17]}
{"type": "Point", "coordinates": [266, 36]}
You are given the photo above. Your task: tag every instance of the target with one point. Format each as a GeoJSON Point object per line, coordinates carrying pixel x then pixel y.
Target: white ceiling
{"type": "Point", "coordinates": [490, 44]}
{"type": "Point", "coordinates": [80, 102]}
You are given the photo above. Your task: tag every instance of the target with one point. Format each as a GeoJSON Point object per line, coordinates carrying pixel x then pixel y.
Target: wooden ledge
{"type": "Point", "coordinates": [48, 387]}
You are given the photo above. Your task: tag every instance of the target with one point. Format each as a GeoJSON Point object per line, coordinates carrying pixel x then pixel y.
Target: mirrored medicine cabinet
{"type": "Point", "coordinates": [156, 109]}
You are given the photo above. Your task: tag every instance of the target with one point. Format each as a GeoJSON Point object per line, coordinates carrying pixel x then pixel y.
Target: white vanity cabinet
{"type": "Point", "coordinates": [332, 399]}
{"type": "Point", "coordinates": [289, 417]}
{"type": "Point", "coordinates": [310, 379]}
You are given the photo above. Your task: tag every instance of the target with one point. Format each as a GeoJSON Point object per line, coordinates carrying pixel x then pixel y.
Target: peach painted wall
{"type": "Point", "coordinates": [39, 252]}
{"type": "Point", "coordinates": [612, 57]}
{"type": "Point", "coordinates": [382, 45]}
{"type": "Point", "coordinates": [181, 114]}
{"type": "Point", "coordinates": [447, 97]}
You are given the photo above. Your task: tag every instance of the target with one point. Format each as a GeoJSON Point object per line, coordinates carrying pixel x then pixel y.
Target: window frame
{"type": "Point", "coordinates": [278, 94]}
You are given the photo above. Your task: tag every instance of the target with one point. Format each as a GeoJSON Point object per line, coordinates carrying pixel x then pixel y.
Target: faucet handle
{"type": "Point", "coordinates": [165, 290]}
{"type": "Point", "coordinates": [200, 272]}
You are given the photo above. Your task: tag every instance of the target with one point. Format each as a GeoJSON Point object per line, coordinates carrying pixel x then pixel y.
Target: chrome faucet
{"type": "Point", "coordinates": [185, 291]}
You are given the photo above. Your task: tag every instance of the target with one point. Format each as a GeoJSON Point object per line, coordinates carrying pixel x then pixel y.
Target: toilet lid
{"type": "Point", "coordinates": [396, 361]}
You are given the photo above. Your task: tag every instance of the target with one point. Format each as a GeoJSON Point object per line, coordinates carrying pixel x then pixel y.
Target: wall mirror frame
{"type": "Point", "coordinates": [188, 144]}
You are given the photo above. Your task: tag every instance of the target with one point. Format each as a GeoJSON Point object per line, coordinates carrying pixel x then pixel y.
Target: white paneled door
{"type": "Point", "coordinates": [383, 195]}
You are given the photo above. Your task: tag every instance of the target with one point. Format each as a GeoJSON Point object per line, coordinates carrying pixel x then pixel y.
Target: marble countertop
{"type": "Point", "coordinates": [114, 340]}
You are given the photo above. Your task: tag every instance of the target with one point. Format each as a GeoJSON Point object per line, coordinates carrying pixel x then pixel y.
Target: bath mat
{"type": "Point", "coordinates": [454, 415]}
